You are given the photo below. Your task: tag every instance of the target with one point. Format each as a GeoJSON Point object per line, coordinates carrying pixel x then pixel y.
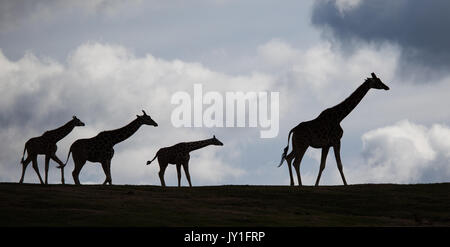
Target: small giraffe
{"type": "Point", "coordinates": [100, 148]}
{"type": "Point", "coordinates": [46, 144]}
{"type": "Point", "coordinates": [325, 131]}
{"type": "Point", "coordinates": [178, 155]}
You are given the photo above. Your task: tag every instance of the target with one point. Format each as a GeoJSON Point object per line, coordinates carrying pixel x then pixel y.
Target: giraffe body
{"type": "Point", "coordinates": [100, 148]}
{"type": "Point", "coordinates": [178, 155]}
{"type": "Point", "coordinates": [46, 145]}
{"type": "Point", "coordinates": [320, 132]}
{"type": "Point", "coordinates": [174, 154]}
{"type": "Point", "coordinates": [92, 149]}
{"type": "Point", "coordinates": [325, 131]}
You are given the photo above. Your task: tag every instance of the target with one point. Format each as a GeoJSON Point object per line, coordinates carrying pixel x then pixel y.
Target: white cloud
{"type": "Point", "coordinates": [406, 152]}
{"type": "Point", "coordinates": [324, 68]}
{"type": "Point", "coordinates": [106, 86]}
{"type": "Point", "coordinates": [346, 5]}
{"type": "Point", "coordinates": [24, 76]}
{"type": "Point", "coordinates": [323, 76]}
{"type": "Point", "coordinates": [211, 169]}
{"type": "Point", "coordinates": [276, 52]}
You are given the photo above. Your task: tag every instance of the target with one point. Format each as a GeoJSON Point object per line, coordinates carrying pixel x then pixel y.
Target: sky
{"type": "Point", "coordinates": [107, 60]}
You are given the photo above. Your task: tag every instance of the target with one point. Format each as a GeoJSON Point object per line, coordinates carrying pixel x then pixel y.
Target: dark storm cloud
{"type": "Point", "coordinates": [420, 28]}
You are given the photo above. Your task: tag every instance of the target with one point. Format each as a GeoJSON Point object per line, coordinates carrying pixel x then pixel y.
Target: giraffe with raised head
{"type": "Point", "coordinates": [100, 148]}
{"type": "Point", "coordinates": [325, 131]}
{"type": "Point", "coordinates": [178, 155]}
{"type": "Point", "coordinates": [46, 145]}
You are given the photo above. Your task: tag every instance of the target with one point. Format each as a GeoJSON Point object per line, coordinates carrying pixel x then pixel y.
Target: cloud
{"type": "Point", "coordinates": [278, 53]}
{"type": "Point", "coordinates": [346, 5]}
{"type": "Point", "coordinates": [324, 75]}
{"type": "Point", "coordinates": [13, 14]}
{"type": "Point", "coordinates": [417, 27]}
{"type": "Point", "coordinates": [323, 71]}
{"type": "Point", "coordinates": [405, 152]}
{"type": "Point", "coordinates": [106, 86]}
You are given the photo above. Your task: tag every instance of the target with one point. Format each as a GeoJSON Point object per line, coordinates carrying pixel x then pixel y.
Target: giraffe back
{"type": "Point", "coordinates": [176, 154]}
{"type": "Point", "coordinates": [93, 149]}
{"type": "Point", "coordinates": [40, 145]}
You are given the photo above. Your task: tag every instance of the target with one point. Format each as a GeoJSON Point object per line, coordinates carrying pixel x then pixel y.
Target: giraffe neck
{"type": "Point", "coordinates": [346, 106]}
{"type": "Point", "coordinates": [59, 133]}
{"type": "Point", "coordinates": [199, 144]}
{"type": "Point", "coordinates": [119, 135]}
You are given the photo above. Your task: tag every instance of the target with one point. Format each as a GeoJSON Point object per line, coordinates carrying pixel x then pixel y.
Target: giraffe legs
{"type": "Point", "coordinates": [337, 154]}
{"type": "Point", "coordinates": [297, 156]}
{"type": "Point", "coordinates": [61, 164]}
{"type": "Point", "coordinates": [24, 167]}
{"type": "Point", "coordinates": [186, 171]}
{"type": "Point", "coordinates": [36, 168]}
{"type": "Point", "coordinates": [322, 163]}
{"type": "Point", "coordinates": [47, 162]}
{"type": "Point", "coordinates": [106, 165]}
{"type": "Point", "coordinates": [289, 158]}
{"type": "Point", "coordinates": [77, 169]}
{"type": "Point", "coordinates": [162, 169]}
{"type": "Point", "coordinates": [47, 166]}
{"type": "Point", "coordinates": [179, 174]}
{"type": "Point", "coordinates": [297, 161]}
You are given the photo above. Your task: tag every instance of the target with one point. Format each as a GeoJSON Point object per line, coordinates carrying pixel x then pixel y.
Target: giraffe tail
{"type": "Point", "coordinates": [150, 161]}
{"type": "Point", "coordinates": [283, 156]}
{"type": "Point", "coordinates": [68, 155]}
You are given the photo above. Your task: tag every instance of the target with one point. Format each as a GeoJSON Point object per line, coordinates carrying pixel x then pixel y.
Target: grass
{"type": "Point", "coordinates": [233, 205]}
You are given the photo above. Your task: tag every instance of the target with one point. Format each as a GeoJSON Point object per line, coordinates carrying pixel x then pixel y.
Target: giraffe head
{"type": "Point", "coordinates": [77, 122]}
{"type": "Point", "coordinates": [216, 141]}
{"type": "Point", "coordinates": [376, 83]}
{"type": "Point", "coordinates": [146, 119]}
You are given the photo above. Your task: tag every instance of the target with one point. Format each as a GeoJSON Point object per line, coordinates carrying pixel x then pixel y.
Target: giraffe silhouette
{"type": "Point", "coordinates": [46, 144]}
{"type": "Point", "coordinates": [325, 131]}
{"type": "Point", "coordinates": [178, 155]}
{"type": "Point", "coordinates": [100, 148]}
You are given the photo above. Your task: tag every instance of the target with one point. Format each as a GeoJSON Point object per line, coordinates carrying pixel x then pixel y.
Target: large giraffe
{"type": "Point", "coordinates": [46, 144]}
{"type": "Point", "coordinates": [325, 131]}
{"type": "Point", "coordinates": [100, 148]}
{"type": "Point", "coordinates": [178, 155]}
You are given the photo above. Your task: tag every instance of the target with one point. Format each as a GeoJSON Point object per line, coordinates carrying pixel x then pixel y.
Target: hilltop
{"type": "Point", "coordinates": [229, 205]}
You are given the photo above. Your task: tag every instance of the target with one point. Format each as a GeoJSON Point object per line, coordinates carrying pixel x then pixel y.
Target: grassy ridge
{"type": "Point", "coordinates": [236, 205]}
